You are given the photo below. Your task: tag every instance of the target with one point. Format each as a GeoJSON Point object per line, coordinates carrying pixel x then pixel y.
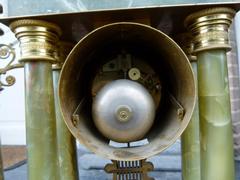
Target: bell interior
{"type": "Point", "coordinates": [147, 44]}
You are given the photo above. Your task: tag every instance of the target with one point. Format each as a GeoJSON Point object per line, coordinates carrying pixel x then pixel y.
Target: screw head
{"type": "Point", "coordinates": [123, 113]}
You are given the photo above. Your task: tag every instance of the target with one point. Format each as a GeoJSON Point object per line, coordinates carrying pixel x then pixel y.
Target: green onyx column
{"type": "Point", "coordinates": [1, 164]}
{"type": "Point", "coordinates": [190, 139]}
{"type": "Point", "coordinates": [67, 157]}
{"type": "Point", "coordinates": [210, 31]}
{"type": "Point", "coordinates": [38, 41]}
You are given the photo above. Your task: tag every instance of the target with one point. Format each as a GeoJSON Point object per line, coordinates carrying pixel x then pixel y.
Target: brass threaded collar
{"type": "Point", "coordinates": [209, 28]}
{"type": "Point", "coordinates": [31, 22]}
{"type": "Point", "coordinates": [38, 39]}
{"type": "Point", "coordinates": [206, 12]}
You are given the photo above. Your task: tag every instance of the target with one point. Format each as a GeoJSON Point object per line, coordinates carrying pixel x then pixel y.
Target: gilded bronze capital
{"type": "Point", "coordinates": [38, 39]}
{"type": "Point", "coordinates": [209, 28]}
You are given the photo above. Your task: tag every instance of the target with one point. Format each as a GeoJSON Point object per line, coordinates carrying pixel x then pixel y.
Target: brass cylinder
{"type": "Point", "coordinates": [67, 156]}
{"type": "Point", "coordinates": [209, 28]}
{"type": "Point", "coordinates": [38, 49]}
{"type": "Point", "coordinates": [149, 45]}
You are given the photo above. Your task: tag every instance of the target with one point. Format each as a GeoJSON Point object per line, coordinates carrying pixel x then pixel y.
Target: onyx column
{"type": "Point", "coordinates": [67, 157]}
{"type": "Point", "coordinates": [38, 40]}
{"type": "Point", "coordinates": [190, 139]}
{"type": "Point", "coordinates": [209, 28]}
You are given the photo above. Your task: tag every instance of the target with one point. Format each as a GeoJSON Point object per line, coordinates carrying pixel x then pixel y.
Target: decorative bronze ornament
{"type": "Point", "coordinates": [126, 170]}
{"type": "Point", "coordinates": [6, 53]}
{"type": "Point", "coordinates": [209, 28]}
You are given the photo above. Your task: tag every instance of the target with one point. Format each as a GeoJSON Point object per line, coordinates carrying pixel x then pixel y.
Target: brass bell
{"type": "Point", "coordinates": [127, 83]}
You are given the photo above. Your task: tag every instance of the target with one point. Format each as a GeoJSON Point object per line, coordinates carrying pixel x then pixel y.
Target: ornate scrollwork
{"type": "Point", "coordinates": [8, 53]}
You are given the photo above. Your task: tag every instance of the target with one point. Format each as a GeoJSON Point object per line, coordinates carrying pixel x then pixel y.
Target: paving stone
{"type": "Point", "coordinates": [92, 161]}
{"type": "Point", "coordinates": [163, 175]}
{"type": "Point", "coordinates": [162, 162]}
{"type": "Point", "coordinates": [94, 175]}
{"type": "Point", "coordinates": [237, 169]}
{"type": "Point", "coordinates": [20, 173]}
{"type": "Point", "coordinates": [166, 162]}
{"type": "Point", "coordinates": [167, 166]}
